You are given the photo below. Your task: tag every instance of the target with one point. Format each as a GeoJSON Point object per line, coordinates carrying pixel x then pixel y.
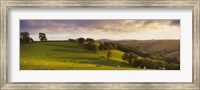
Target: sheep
{"type": "Point", "coordinates": [144, 67]}
{"type": "Point", "coordinates": [118, 66]}
{"type": "Point", "coordinates": [99, 65]}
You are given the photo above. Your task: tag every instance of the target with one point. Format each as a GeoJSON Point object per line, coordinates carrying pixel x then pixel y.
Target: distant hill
{"type": "Point", "coordinates": [172, 46]}
{"type": "Point", "coordinates": [175, 54]}
{"type": "Point", "coordinates": [149, 45]}
{"type": "Point", "coordinates": [105, 40]}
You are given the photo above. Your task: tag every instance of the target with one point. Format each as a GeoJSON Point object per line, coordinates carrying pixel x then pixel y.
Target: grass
{"type": "Point", "coordinates": [68, 56]}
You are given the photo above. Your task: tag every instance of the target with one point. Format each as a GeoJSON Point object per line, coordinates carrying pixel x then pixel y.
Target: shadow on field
{"type": "Point", "coordinates": [82, 58]}
{"type": "Point", "coordinates": [71, 45]}
{"type": "Point", "coordinates": [96, 61]}
{"type": "Point", "coordinates": [69, 50]}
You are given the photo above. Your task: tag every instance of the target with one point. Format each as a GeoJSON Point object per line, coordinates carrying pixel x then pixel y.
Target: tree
{"type": "Point", "coordinates": [138, 48]}
{"type": "Point", "coordinates": [125, 56]}
{"type": "Point", "coordinates": [123, 48]}
{"type": "Point", "coordinates": [31, 40]}
{"type": "Point", "coordinates": [91, 46]}
{"type": "Point", "coordinates": [109, 54]}
{"type": "Point", "coordinates": [95, 48]}
{"type": "Point", "coordinates": [25, 37]}
{"type": "Point", "coordinates": [101, 46]}
{"type": "Point", "coordinates": [71, 40]}
{"type": "Point", "coordinates": [42, 37]}
{"type": "Point", "coordinates": [134, 56]}
{"type": "Point", "coordinates": [130, 57]}
{"type": "Point", "coordinates": [151, 63]}
{"type": "Point", "coordinates": [137, 62]}
{"type": "Point", "coordinates": [90, 40]}
{"type": "Point", "coordinates": [81, 40]}
{"type": "Point", "coordinates": [114, 45]}
{"type": "Point", "coordinates": [108, 46]}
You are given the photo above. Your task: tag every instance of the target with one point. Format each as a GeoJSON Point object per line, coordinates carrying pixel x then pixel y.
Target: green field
{"type": "Point", "coordinates": [68, 56]}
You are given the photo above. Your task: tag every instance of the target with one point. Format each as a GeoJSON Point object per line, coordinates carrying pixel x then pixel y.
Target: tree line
{"type": "Point", "coordinates": [95, 46]}
{"type": "Point", "coordinates": [25, 37]}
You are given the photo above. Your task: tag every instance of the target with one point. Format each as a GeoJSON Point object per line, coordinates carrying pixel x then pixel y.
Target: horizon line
{"type": "Point", "coordinates": [115, 40]}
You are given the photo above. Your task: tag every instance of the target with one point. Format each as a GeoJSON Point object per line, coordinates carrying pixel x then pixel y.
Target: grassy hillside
{"type": "Point", "coordinates": [67, 56]}
{"type": "Point", "coordinates": [171, 47]}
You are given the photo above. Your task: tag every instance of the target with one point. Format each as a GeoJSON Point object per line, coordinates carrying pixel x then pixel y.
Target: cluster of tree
{"type": "Point", "coordinates": [137, 50]}
{"type": "Point", "coordinates": [107, 46]}
{"type": "Point", "coordinates": [42, 37]}
{"type": "Point", "coordinates": [95, 48]}
{"type": "Point", "coordinates": [158, 55]}
{"type": "Point", "coordinates": [71, 40]}
{"type": "Point", "coordinates": [25, 37]}
{"type": "Point", "coordinates": [172, 60]}
{"type": "Point", "coordinates": [92, 46]}
{"type": "Point", "coordinates": [130, 57]}
{"type": "Point", "coordinates": [136, 61]}
{"type": "Point", "coordinates": [90, 40]}
{"type": "Point", "coordinates": [150, 63]}
{"type": "Point", "coordinates": [109, 54]}
{"type": "Point", "coordinates": [82, 40]}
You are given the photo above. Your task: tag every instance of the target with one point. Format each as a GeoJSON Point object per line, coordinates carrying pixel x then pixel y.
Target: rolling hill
{"type": "Point", "coordinates": [68, 56]}
{"type": "Point", "coordinates": [171, 46]}
{"type": "Point", "coordinates": [149, 45]}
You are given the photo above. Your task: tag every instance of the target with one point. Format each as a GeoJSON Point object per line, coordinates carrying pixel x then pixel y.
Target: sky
{"type": "Point", "coordinates": [129, 29]}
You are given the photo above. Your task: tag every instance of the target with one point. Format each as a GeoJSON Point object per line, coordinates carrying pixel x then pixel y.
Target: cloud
{"type": "Point", "coordinates": [96, 27]}
{"type": "Point", "coordinates": [175, 23]}
{"type": "Point", "coordinates": [43, 30]}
